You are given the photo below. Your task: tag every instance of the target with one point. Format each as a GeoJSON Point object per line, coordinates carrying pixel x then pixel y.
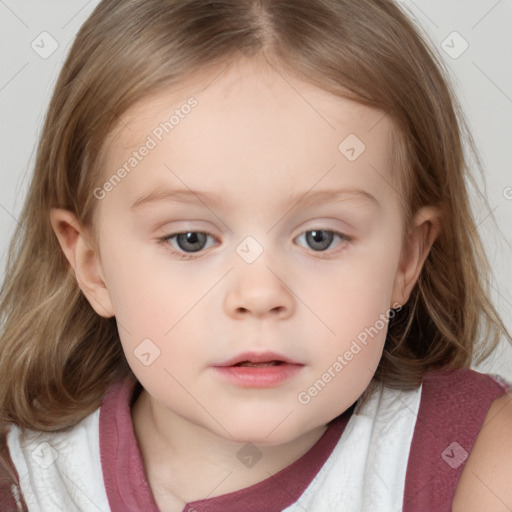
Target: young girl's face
{"type": "Point", "coordinates": [294, 249]}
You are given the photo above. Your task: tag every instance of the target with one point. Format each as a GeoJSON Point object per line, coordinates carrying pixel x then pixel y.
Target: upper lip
{"type": "Point", "coordinates": [256, 357]}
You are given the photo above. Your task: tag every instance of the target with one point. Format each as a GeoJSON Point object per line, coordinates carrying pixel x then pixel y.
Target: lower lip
{"type": "Point", "coordinates": [258, 377]}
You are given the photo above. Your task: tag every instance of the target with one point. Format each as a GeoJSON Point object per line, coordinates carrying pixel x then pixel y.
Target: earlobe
{"type": "Point", "coordinates": [426, 228]}
{"type": "Point", "coordinates": [83, 259]}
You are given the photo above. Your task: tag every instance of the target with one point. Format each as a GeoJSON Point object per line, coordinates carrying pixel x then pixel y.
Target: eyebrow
{"type": "Point", "coordinates": [189, 196]}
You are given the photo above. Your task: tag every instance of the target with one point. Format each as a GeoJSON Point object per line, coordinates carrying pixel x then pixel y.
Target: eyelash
{"type": "Point", "coordinates": [188, 256]}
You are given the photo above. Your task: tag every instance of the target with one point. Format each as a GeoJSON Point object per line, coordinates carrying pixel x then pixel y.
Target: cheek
{"type": "Point", "coordinates": [353, 297]}
{"type": "Point", "coordinates": [345, 362]}
{"type": "Point", "coordinates": [138, 283]}
{"type": "Point", "coordinates": [354, 306]}
{"type": "Point", "coordinates": [157, 307]}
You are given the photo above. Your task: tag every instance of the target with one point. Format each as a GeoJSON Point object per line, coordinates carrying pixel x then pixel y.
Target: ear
{"type": "Point", "coordinates": [426, 228]}
{"type": "Point", "coordinates": [74, 240]}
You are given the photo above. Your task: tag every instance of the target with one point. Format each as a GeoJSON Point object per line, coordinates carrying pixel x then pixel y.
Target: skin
{"type": "Point", "coordinates": [253, 141]}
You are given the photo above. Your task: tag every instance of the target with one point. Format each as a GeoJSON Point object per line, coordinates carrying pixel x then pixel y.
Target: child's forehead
{"type": "Point", "coordinates": [246, 88]}
{"type": "Point", "coordinates": [250, 128]}
{"type": "Point", "coordinates": [251, 134]}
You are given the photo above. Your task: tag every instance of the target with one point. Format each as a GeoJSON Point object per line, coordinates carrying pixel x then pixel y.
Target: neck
{"type": "Point", "coordinates": [193, 463]}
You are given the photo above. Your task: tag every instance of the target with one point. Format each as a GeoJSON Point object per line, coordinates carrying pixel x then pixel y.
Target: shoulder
{"type": "Point", "coordinates": [62, 470]}
{"type": "Point", "coordinates": [454, 407]}
{"type": "Point", "coordinates": [485, 480]}
{"type": "Point", "coordinates": [57, 466]}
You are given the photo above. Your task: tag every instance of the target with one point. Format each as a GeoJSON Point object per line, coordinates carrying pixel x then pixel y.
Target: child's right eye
{"type": "Point", "coordinates": [184, 244]}
{"type": "Point", "coordinates": [193, 239]}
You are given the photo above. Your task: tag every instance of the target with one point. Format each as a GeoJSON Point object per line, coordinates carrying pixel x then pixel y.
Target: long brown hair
{"type": "Point", "coordinates": [58, 356]}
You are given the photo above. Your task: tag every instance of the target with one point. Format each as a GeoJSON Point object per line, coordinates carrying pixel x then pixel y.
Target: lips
{"type": "Point", "coordinates": [258, 370]}
{"type": "Point", "coordinates": [257, 360]}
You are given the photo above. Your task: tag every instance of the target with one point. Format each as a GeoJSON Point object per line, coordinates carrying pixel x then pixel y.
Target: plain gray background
{"type": "Point", "coordinates": [474, 38]}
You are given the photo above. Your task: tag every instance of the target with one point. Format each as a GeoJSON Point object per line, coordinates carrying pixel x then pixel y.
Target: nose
{"type": "Point", "coordinates": [257, 290]}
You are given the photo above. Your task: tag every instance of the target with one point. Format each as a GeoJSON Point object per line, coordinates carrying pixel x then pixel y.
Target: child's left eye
{"type": "Point", "coordinates": [190, 242]}
{"type": "Point", "coordinates": [319, 238]}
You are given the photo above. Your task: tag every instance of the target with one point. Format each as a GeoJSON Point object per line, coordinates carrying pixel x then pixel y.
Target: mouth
{"type": "Point", "coordinates": [257, 360]}
{"type": "Point", "coordinates": [253, 370]}
{"type": "Point", "coordinates": [252, 364]}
